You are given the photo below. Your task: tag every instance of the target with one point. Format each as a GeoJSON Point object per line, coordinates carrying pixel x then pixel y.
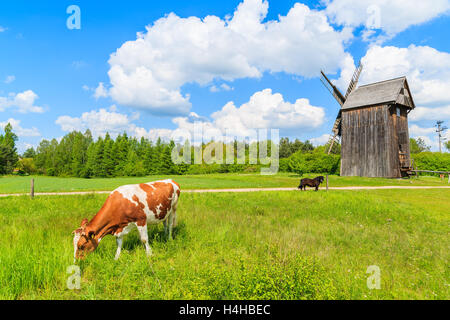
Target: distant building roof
{"type": "Point", "coordinates": [384, 92]}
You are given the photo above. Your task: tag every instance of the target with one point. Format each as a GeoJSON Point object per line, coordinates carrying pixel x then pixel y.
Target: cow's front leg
{"type": "Point", "coordinates": [144, 238]}
{"type": "Point", "coordinates": [119, 241]}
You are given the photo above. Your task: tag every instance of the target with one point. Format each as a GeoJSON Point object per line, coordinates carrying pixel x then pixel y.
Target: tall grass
{"type": "Point", "coordinates": [264, 245]}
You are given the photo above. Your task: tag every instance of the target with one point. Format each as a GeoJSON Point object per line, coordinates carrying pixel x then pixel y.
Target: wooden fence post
{"type": "Point", "coordinates": [327, 182]}
{"type": "Point", "coordinates": [32, 189]}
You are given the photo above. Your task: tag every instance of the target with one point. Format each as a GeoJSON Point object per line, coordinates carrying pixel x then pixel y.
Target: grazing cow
{"type": "Point", "coordinates": [314, 183]}
{"type": "Point", "coordinates": [127, 207]}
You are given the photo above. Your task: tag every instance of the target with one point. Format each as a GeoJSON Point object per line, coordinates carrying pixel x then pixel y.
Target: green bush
{"type": "Point", "coordinates": [314, 162]}
{"type": "Point", "coordinates": [434, 161]}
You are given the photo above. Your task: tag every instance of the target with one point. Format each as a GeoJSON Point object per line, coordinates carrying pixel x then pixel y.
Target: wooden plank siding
{"type": "Point", "coordinates": [370, 141]}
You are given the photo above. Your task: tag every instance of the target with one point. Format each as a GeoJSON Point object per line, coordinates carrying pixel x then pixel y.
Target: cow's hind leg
{"type": "Point", "coordinates": [144, 238]}
{"type": "Point", "coordinates": [166, 227]}
{"type": "Point", "coordinates": [119, 241]}
{"type": "Point", "coordinates": [171, 222]}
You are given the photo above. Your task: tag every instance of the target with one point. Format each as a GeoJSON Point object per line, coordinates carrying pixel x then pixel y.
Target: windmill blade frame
{"type": "Point", "coordinates": [354, 80]}
{"type": "Point", "coordinates": [336, 131]}
{"type": "Point", "coordinates": [333, 89]}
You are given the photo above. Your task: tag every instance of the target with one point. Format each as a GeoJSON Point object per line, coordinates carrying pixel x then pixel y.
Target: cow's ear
{"type": "Point", "coordinates": [84, 222]}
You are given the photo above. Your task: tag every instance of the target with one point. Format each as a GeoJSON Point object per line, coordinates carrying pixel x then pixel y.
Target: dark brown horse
{"type": "Point", "coordinates": [313, 183]}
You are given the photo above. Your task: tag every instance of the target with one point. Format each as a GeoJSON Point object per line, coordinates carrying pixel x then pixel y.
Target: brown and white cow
{"type": "Point", "coordinates": [126, 207]}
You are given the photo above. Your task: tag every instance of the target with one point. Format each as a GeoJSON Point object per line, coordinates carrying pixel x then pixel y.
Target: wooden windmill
{"type": "Point", "coordinates": [372, 125]}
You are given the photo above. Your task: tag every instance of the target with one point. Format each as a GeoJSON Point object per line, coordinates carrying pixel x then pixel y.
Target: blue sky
{"type": "Point", "coordinates": [251, 64]}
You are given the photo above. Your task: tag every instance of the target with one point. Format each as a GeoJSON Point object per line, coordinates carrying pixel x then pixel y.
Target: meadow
{"type": "Point", "coordinates": [21, 184]}
{"type": "Point", "coordinates": [260, 245]}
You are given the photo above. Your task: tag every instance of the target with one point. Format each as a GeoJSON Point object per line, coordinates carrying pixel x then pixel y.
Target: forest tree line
{"type": "Point", "coordinates": [78, 154]}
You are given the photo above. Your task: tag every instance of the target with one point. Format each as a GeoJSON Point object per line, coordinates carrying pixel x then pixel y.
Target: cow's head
{"type": "Point", "coordinates": [83, 241]}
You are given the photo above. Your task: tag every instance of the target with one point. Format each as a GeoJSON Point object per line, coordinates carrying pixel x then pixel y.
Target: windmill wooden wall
{"type": "Point", "coordinates": [375, 141]}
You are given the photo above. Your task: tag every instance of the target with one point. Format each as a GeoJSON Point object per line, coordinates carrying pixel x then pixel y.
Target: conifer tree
{"type": "Point", "coordinates": [8, 151]}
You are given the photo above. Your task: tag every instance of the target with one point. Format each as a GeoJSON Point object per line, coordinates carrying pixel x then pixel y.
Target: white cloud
{"type": "Point", "coordinates": [429, 136]}
{"type": "Point", "coordinates": [149, 72]}
{"type": "Point", "coordinates": [222, 87]}
{"type": "Point", "coordinates": [264, 110]}
{"type": "Point", "coordinates": [267, 110]}
{"type": "Point", "coordinates": [390, 16]}
{"type": "Point", "coordinates": [427, 71]}
{"type": "Point", "coordinates": [18, 130]}
{"type": "Point", "coordinates": [415, 131]}
{"type": "Point", "coordinates": [433, 114]}
{"type": "Point", "coordinates": [100, 91]}
{"type": "Point", "coordinates": [3, 29]}
{"type": "Point", "coordinates": [319, 141]}
{"type": "Point", "coordinates": [9, 79]}
{"type": "Point", "coordinates": [153, 134]}
{"type": "Point", "coordinates": [99, 122]}
{"type": "Point", "coordinates": [23, 102]}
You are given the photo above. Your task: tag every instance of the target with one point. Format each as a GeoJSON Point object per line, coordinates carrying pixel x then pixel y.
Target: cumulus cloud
{"type": "Point", "coordinates": [23, 102]}
{"type": "Point", "coordinates": [18, 130]}
{"type": "Point", "coordinates": [264, 110]}
{"type": "Point", "coordinates": [433, 114]}
{"type": "Point", "coordinates": [427, 71]}
{"type": "Point", "coordinates": [98, 121]}
{"type": "Point", "coordinates": [416, 131]}
{"type": "Point", "coordinates": [269, 110]}
{"type": "Point", "coordinates": [389, 16]}
{"type": "Point", "coordinates": [429, 135]}
{"type": "Point", "coordinates": [149, 73]}
{"type": "Point", "coordinates": [319, 141]}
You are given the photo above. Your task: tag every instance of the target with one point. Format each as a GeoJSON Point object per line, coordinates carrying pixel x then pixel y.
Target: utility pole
{"type": "Point", "coordinates": [440, 130]}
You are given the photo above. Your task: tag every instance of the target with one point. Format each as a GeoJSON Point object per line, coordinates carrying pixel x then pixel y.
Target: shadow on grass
{"type": "Point", "coordinates": [156, 234]}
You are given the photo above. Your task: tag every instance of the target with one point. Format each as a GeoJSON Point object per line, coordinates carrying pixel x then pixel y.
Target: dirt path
{"type": "Point", "coordinates": [231, 190]}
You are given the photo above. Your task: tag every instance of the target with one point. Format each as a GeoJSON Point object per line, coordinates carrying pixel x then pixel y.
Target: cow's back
{"type": "Point", "coordinates": [154, 199]}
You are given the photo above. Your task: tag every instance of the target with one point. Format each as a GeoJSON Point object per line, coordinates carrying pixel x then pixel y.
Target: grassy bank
{"type": "Point", "coordinates": [280, 245]}
{"type": "Point", "coordinates": [18, 184]}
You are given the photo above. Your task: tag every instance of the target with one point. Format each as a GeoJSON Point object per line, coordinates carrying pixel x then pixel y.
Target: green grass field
{"type": "Point", "coordinates": [261, 245]}
{"type": "Point", "coordinates": [17, 184]}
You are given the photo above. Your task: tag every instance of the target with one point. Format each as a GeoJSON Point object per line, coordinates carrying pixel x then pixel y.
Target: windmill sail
{"type": "Point", "coordinates": [336, 131]}
{"type": "Point", "coordinates": [354, 80]}
{"type": "Point", "coordinates": [332, 88]}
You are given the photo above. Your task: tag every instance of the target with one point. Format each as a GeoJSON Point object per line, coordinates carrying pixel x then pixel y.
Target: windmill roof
{"type": "Point", "coordinates": [384, 92]}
